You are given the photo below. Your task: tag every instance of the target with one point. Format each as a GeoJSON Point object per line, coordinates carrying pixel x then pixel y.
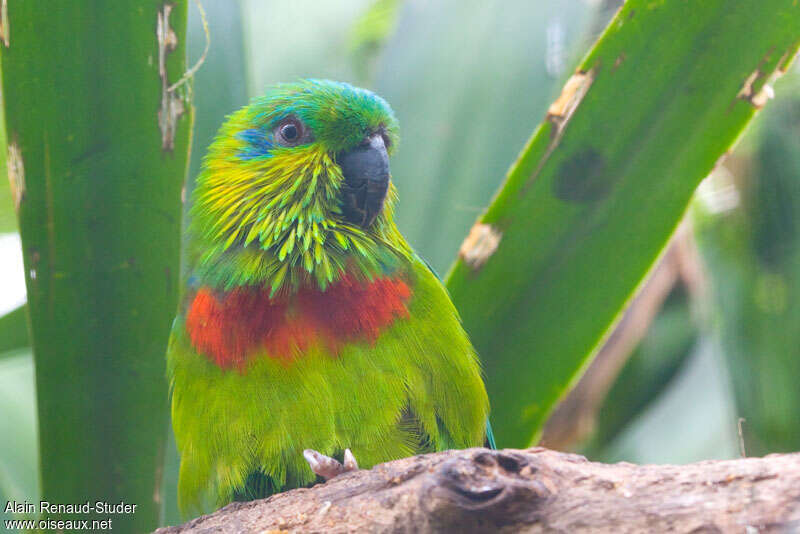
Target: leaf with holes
{"type": "Point", "coordinates": [600, 186]}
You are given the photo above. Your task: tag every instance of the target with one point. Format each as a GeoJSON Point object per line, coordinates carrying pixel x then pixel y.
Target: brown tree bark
{"type": "Point", "coordinates": [534, 490]}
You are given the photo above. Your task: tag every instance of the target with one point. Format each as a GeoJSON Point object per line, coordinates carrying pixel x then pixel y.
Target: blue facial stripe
{"type": "Point", "coordinates": [259, 144]}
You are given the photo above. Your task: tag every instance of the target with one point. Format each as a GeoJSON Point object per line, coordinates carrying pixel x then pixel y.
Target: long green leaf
{"type": "Point", "coordinates": [600, 186]}
{"type": "Point", "coordinates": [14, 330]}
{"type": "Point", "coordinates": [8, 220]}
{"type": "Point", "coordinates": [98, 150]}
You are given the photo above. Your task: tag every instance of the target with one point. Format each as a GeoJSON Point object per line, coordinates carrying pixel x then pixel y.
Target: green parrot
{"type": "Point", "coordinates": [310, 331]}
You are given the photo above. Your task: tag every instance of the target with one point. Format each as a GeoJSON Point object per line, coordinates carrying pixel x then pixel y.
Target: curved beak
{"type": "Point", "coordinates": [366, 180]}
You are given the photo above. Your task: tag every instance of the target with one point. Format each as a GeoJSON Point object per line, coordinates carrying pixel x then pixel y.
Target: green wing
{"type": "Point", "coordinates": [489, 435]}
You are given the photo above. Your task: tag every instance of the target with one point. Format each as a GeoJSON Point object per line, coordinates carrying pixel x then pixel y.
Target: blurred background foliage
{"type": "Point", "coordinates": [720, 338]}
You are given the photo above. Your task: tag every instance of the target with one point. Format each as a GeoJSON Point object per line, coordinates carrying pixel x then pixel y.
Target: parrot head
{"type": "Point", "coordinates": [296, 188]}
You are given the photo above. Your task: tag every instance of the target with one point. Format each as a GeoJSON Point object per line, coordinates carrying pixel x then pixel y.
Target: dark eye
{"type": "Point", "coordinates": [289, 132]}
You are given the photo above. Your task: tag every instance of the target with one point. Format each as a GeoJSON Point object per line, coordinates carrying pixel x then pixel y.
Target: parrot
{"type": "Point", "coordinates": [310, 337]}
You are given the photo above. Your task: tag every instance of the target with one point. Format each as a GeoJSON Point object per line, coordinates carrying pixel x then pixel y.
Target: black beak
{"type": "Point", "coordinates": [366, 180]}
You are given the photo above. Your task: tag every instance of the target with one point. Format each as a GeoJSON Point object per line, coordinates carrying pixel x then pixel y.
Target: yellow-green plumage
{"type": "Point", "coordinates": [416, 386]}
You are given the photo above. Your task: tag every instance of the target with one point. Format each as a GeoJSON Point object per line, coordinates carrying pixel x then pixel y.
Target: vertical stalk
{"type": "Point", "coordinates": [98, 148]}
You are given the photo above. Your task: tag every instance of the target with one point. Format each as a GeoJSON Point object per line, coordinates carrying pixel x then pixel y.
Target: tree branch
{"type": "Point", "coordinates": [534, 490]}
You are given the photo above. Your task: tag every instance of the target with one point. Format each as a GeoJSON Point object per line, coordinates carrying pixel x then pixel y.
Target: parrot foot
{"type": "Point", "coordinates": [328, 467]}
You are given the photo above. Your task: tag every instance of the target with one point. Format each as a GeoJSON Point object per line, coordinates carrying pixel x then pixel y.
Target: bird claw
{"type": "Point", "coordinates": [328, 467]}
{"type": "Point", "coordinates": [350, 463]}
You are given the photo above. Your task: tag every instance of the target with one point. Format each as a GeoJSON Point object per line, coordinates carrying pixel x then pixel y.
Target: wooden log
{"type": "Point", "coordinates": [533, 490]}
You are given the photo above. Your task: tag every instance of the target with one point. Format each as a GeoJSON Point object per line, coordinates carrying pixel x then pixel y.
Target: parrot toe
{"type": "Point", "coordinates": [350, 463]}
{"type": "Point", "coordinates": [328, 467]}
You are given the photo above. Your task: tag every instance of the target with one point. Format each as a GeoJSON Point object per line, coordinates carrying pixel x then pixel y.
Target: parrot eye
{"type": "Point", "coordinates": [289, 132]}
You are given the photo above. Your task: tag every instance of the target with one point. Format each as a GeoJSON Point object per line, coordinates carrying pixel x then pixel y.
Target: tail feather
{"type": "Point", "coordinates": [489, 436]}
{"type": "Point", "coordinates": [258, 485]}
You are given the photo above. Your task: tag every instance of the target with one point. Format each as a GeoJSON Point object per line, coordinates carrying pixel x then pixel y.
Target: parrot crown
{"type": "Point", "coordinates": [272, 205]}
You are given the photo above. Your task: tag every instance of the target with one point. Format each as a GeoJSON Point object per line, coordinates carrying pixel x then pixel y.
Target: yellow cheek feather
{"type": "Point", "coordinates": [281, 209]}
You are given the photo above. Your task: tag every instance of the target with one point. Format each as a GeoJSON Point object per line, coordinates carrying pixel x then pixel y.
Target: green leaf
{"type": "Point", "coordinates": [100, 145]}
{"type": "Point", "coordinates": [8, 217]}
{"type": "Point", "coordinates": [14, 330]}
{"type": "Point", "coordinates": [600, 187]}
